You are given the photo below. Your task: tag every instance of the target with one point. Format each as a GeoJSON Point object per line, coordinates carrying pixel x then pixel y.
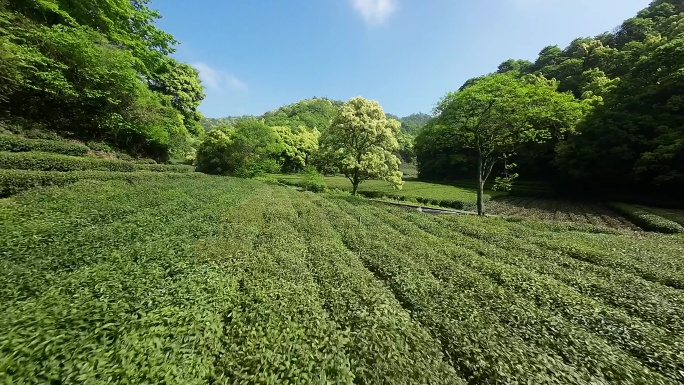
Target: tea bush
{"type": "Point", "coordinates": [15, 181]}
{"type": "Point", "coordinates": [54, 162]}
{"type": "Point", "coordinates": [646, 219]}
{"type": "Point", "coordinates": [13, 143]}
{"type": "Point", "coordinates": [192, 279]}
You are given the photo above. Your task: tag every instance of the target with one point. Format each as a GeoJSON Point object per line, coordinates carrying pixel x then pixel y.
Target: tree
{"type": "Point", "coordinates": [316, 113]}
{"type": "Point", "coordinates": [239, 150]}
{"type": "Point", "coordinates": [181, 83]}
{"type": "Point", "coordinates": [361, 144]}
{"type": "Point", "coordinates": [298, 146]}
{"type": "Point", "coordinates": [406, 151]}
{"type": "Point", "coordinates": [499, 112]}
{"type": "Point", "coordinates": [514, 65]}
{"type": "Point", "coordinates": [214, 153]}
{"type": "Point", "coordinates": [97, 70]}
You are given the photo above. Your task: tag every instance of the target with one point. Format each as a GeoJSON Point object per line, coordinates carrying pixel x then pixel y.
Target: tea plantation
{"type": "Point", "coordinates": [208, 280]}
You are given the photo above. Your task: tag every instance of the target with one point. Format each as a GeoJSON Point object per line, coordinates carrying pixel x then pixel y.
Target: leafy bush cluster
{"type": "Point", "coordinates": [13, 143]}
{"type": "Point", "coordinates": [55, 162]}
{"type": "Point", "coordinates": [646, 219]}
{"type": "Point", "coordinates": [246, 149]}
{"type": "Point", "coordinates": [224, 280]}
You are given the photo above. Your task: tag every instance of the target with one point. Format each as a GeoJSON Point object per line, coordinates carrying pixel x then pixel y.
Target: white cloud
{"type": "Point", "coordinates": [217, 79]}
{"type": "Point", "coordinates": [375, 12]}
{"type": "Point", "coordinates": [236, 83]}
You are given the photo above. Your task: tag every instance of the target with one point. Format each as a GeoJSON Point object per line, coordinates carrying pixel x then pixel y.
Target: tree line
{"type": "Point", "coordinates": [627, 84]}
{"type": "Point", "coordinates": [97, 70]}
{"type": "Point", "coordinates": [291, 139]}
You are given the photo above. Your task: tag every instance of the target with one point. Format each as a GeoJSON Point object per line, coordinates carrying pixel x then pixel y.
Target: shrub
{"type": "Point", "coordinates": [246, 150]}
{"type": "Point", "coordinates": [647, 220]}
{"type": "Point", "coordinates": [146, 161]}
{"type": "Point", "coordinates": [16, 181]}
{"type": "Point", "coordinates": [100, 146]}
{"type": "Point", "coordinates": [52, 162]}
{"type": "Point", "coordinates": [13, 143]}
{"type": "Point", "coordinates": [259, 168]}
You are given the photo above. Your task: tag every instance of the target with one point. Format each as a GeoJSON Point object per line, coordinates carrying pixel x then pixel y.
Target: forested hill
{"type": "Point", "coordinates": [632, 136]}
{"type": "Point", "coordinates": [315, 113]}
{"type": "Point", "coordinates": [210, 123]}
{"type": "Point", "coordinates": [96, 70]}
{"type": "Point", "coordinates": [413, 123]}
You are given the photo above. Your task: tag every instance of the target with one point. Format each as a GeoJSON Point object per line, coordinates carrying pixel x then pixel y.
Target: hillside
{"type": "Point", "coordinates": [311, 113]}
{"type": "Point", "coordinates": [97, 71]}
{"type": "Point", "coordinates": [630, 138]}
{"type": "Point", "coordinates": [210, 123]}
{"type": "Point", "coordinates": [223, 280]}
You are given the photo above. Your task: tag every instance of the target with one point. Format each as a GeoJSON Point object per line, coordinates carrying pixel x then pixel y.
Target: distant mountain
{"type": "Point", "coordinates": [413, 123]}
{"type": "Point", "coordinates": [312, 113]}
{"type": "Point", "coordinates": [316, 113]}
{"type": "Point", "coordinates": [211, 123]}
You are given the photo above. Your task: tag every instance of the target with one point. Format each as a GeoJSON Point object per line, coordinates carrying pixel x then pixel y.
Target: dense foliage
{"type": "Point", "coordinates": [246, 149]}
{"type": "Point", "coordinates": [412, 124]}
{"type": "Point", "coordinates": [97, 70]}
{"type": "Point", "coordinates": [496, 114]}
{"type": "Point", "coordinates": [360, 144]}
{"type": "Point", "coordinates": [210, 123]}
{"type": "Point", "coordinates": [223, 280]}
{"type": "Point", "coordinates": [311, 114]}
{"type": "Point", "coordinates": [631, 140]}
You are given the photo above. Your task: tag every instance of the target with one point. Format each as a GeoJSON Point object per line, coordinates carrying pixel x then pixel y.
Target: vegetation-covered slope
{"type": "Point", "coordinates": [222, 280]}
{"type": "Point", "coordinates": [96, 70]}
{"type": "Point", "coordinates": [632, 137]}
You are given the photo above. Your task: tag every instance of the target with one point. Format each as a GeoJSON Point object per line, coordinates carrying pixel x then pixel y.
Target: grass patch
{"type": "Point", "coordinates": [421, 192]}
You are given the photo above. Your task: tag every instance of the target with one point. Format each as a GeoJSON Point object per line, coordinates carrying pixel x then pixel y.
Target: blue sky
{"type": "Point", "coordinates": [257, 55]}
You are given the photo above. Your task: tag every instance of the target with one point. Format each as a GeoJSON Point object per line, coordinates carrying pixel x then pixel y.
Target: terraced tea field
{"type": "Point", "coordinates": [582, 213]}
{"type": "Point", "coordinates": [210, 280]}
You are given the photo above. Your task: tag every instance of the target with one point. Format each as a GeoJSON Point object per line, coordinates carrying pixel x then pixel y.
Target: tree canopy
{"type": "Point", "coordinates": [361, 143]}
{"type": "Point", "coordinates": [498, 113]}
{"type": "Point", "coordinates": [248, 148]}
{"type": "Point", "coordinates": [97, 70]}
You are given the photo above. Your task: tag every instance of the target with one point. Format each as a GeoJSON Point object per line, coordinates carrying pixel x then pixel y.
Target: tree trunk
{"type": "Point", "coordinates": [355, 183]}
{"type": "Point", "coordinates": [480, 198]}
{"type": "Point", "coordinates": [480, 186]}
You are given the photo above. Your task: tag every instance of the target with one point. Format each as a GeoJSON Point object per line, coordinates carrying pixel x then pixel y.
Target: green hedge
{"type": "Point", "coordinates": [53, 162]}
{"type": "Point", "coordinates": [13, 143]}
{"type": "Point", "coordinates": [647, 220]}
{"type": "Point", "coordinates": [312, 186]}
{"type": "Point", "coordinates": [16, 181]}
